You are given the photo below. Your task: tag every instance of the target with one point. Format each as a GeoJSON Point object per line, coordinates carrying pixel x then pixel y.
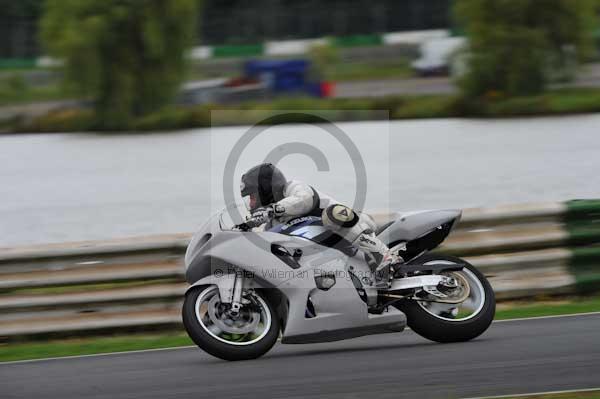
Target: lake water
{"type": "Point", "coordinates": [73, 187]}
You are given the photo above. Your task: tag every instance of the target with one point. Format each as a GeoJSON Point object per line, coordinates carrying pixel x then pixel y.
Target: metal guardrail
{"type": "Point", "coordinates": [95, 287]}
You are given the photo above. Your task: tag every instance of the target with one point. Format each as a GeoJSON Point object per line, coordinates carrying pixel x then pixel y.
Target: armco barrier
{"type": "Point", "coordinates": [93, 287]}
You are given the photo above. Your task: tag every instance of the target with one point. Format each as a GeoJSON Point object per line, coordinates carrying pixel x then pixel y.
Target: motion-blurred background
{"type": "Point", "coordinates": [133, 60]}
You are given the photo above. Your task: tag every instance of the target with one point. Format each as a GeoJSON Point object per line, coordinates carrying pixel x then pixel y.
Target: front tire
{"type": "Point", "coordinates": [443, 322]}
{"type": "Point", "coordinates": [206, 322]}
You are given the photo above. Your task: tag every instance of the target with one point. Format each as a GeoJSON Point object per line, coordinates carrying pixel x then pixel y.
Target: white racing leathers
{"type": "Point", "coordinates": [302, 200]}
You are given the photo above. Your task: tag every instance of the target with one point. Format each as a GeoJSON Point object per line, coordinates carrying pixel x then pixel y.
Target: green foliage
{"type": "Point", "coordinates": [127, 55]}
{"type": "Point", "coordinates": [329, 65]}
{"type": "Point", "coordinates": [323, 56]}
{"type": "Point", "coordinates": [368, 70]}
{"type": "Point", "coordinates": [15, 83]}
{"type": "Point", "coordinates": [64, 120]}
{"type": "Point", "coordinates": [568, 101]}
{"type": "Point", "coordinates": [515, 46]}
{"type": "Point", "coordinates": [14, 89]}
{"type": "Point", "coordinates": [172, 118]}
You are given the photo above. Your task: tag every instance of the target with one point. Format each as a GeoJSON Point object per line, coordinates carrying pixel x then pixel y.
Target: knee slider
{"type": "Point", "coordinates": [340, 216]}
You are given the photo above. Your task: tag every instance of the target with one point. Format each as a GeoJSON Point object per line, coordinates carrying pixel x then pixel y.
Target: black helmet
{"type": "Point", "coordinates": [262, 185]}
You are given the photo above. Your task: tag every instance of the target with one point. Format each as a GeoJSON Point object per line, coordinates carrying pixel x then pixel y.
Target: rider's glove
{"type": "Point", "coordinates": [260, 217]}
{"type": "Point", "coordinates": [278, 210]}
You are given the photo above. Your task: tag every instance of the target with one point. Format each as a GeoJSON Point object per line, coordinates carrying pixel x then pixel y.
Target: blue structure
{"type": "Point", "coordinates": [280, 76]}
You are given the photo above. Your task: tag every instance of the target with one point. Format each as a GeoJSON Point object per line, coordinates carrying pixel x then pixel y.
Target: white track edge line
{"type": "Point", "coordinates": [193, 346]}
{"type": "Point", "coordinates": [548, 317]}
{"type": "Point", "coordinates": [520, 395]}
{"type": "Point", "coordinates": [126, 352]}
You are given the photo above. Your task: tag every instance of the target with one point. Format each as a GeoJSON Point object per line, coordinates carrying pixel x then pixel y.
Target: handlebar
{"type": "Point", "coordinates": [257, 219]}
{"type": "Point", "coordinates": [243, 226]}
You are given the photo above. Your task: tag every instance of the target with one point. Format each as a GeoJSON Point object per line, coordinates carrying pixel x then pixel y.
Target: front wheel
{"type": "Point", "coordinates": [247, 334]}
{"type": "Point", "coordinates": [444, 322]}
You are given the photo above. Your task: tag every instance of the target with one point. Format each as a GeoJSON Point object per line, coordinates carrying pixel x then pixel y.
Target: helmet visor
{"type": "Point", "coordinates": [252, 201]}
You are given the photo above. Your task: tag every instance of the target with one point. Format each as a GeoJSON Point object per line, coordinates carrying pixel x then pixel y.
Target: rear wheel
{"type": "Point", "coordinates": [445, 322]}
{"type": "Point", "coordinates": [247, 334]}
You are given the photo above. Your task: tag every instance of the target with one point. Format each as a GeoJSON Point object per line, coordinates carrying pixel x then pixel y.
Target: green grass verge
{"type": "Point", "coordinates": [552, 308]}
{"type": "Point", "coordinates": [353, 71]}
{"type": "Point", "coordinates": [86, 346]}
{"type": "Point", "coordinates": [399, 107]}
{"type": "Point", "coordinates": [28, 95]}
{"type": "Point", "coordinates": [15, 90]}
{"type": "Point", "coordinates": [593, 394]}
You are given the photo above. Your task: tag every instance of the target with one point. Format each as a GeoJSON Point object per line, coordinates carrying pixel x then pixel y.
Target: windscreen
{"type": "Point", "coordinates": [232, 215]}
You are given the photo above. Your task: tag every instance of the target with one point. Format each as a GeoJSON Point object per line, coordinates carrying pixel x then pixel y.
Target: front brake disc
{"type": "Point", "coordinates": [229, 324]}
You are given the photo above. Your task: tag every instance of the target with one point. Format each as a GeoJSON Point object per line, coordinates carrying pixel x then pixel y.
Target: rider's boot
{"type": "Point", "coordinates": [380, 258]}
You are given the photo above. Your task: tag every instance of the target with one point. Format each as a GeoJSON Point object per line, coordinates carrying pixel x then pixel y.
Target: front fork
{"type": "Point", "coordinates": [231, 286]}
{"type": "Point", "coordinates": [236, 298]}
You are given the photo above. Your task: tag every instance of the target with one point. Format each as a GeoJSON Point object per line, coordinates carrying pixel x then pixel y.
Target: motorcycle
{"type": "Point", "coordinates": [306, 284]}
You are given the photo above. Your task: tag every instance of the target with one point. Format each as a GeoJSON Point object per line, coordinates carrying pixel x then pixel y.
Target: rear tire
{"type": "Point", "coordinates": [219, 347]}
{"type": "Point", "coordinates": [442, 329]}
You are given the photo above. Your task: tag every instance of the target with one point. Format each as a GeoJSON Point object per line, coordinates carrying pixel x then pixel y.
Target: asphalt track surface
{"type": "Point", "coordinates": [513, 357]}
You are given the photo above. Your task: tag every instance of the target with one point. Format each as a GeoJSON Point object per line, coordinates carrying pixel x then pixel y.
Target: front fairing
{"type": "Point", "coordinates": [224, 220]}
{"type": "Point", "coordinates": [201, 237]}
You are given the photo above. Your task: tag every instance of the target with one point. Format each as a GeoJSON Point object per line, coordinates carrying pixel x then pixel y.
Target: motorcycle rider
{"type": "Point", "coordinates": [272, 199]}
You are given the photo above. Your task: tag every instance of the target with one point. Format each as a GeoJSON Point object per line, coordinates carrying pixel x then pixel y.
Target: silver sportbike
{"type": "Point", "coordinates": [304, 283]}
